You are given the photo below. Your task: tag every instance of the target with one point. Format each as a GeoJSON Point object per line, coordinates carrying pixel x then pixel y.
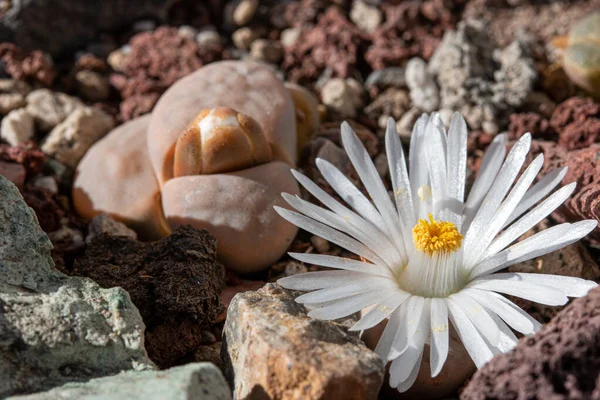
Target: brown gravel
{"type": "Point", "coordinates": [32, 67]}
{"type": "Point", "coordinates": [175, 283]}
{"type": "Point", "coordinates": [157, 59]}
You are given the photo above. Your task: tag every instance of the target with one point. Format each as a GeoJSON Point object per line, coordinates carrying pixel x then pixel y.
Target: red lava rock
{"type": "Point", "coordinates": [157, 59]}
{"type": "Point", "coordinates": [26, 154]}
{"type": "Point", "coordinates": [175, 283]}
{"type": "Point", "coordinates": [47, 207]}
{"type": "Point", "coordinates": [577, 121]}
{"type": "Point", "coordinates": [531, 122]}
{"type": "Point", "coordinates": [584, 168]}
{"type": "Point", "coordinates": [26, 66]}
{"type": "Point", "coordinates": [411, 28]}
{"type": "Point", "coordinates": [562, 361]}
{"type": "Point", "coordinates": [334, 42]}
{"type": "Point", "coordinates": [13, 172]}
{"type": "Point", "coordinates": [303, 12]}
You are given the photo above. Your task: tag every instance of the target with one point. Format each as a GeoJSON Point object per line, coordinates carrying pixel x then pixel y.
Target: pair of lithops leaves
{"type": "Point", "coordinates": [581, 59]}
{"type": "Point", "coordinates": [215, 153]}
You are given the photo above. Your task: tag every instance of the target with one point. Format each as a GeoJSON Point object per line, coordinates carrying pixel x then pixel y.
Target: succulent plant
{"type": "Point", "coordinates": [215, 153]}
{"type": "Point", "coordinates": [582, 55]}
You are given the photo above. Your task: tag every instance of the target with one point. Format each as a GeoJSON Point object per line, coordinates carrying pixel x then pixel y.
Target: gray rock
{"type": "Point", "coordinates": [271, 349]}
{"type": "Point", "coordinates": [53, 328]}
{"type": "Point", "coordinates": [424, 92]}
{"type": "Point", "coordinates": [483, 83]}
{"type": "Point", "coordinates": [193, 381]}
{"type": "Point", "coordinates": [56, 26]}
{"type": "Point", "coordinates": [387, 77]}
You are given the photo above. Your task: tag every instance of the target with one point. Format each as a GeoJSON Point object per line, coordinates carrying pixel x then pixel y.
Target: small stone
{"type": "Point", "coordinates": [321, 245]}
{"type": "Point", "coordinates": [366, 17]}
{"type": "Point", "coordinates": [392, 102]}
{"type": "Point", "coordinates": [187, 31]}
{"type": "Point", "coordinates": [490, 127]}
{"type": "Point", "coordinates": [265, 50]}
{"type": "Point", "coordinates": [294, 268]}
{"type": "Point", "coordinates": [17, 127]}
{"type": "Point", "coordinates": [189, 382]}
{"type": "Point", "coordinates": [14, 172]}
{"type": "Point", "coordinates": [55, 328]}
{"type": "Point", "coordinates": [47, 183]}
{"type": "Point", "coordinates": [117, 59]}
{"type": "Point", "coordinates": [50, 108]}
{"type": "Point", "coordinates": [104, 224]}
{"type": "Point", "coordinates": [143, 26]}
{"type": "Point", "coordinates": [271, 344]}
{"type": "Point", "coordinates": [209, 38]}
{"type": "Point", "coordinates": [387, 77]}
{"type": "Point", "coordinates": [424, 92]}
{"type": "Point", "coordinates": [92, 85]}
{"type": "Point", "coordinates": [69, 141]}
{"type": "Point", "coordinates": [406, 124]}
{"type": "Point", "coordinates": [243, 38]}
{"type": "Point", "coordinates": [289, 36]}
{"type": "Point", "coordinates": [69, 235]}
{"type": "Point", "coordinates": [244, 12]}
{"type": "Point", "coordinates": [12, 95]}
{"type": "Point", "coordinates": [381, 165]}
{"type": "Point", "coordinates": [343, 96]}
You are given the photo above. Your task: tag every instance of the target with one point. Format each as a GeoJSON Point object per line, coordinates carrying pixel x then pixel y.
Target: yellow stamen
{"type": "Point", "coordinates": [436, 236]}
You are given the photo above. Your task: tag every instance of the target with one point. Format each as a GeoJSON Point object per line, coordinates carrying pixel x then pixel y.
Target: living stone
{"type": "Point", "coordinates": [17, 127]}
{"type": "Point", "coordinates": [50, 108]}
{"type": "Point", "coordinates": [69, 140]}
{"type": "Point", "coordinates": [189, 382]}
{"type": "Point", "coordinates": [271, 349]}
{"type": "Point", "coordinates": [53, 328]}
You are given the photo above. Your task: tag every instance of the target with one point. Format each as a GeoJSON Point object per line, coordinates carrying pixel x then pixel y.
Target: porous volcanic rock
{"type": "Point", "coordinates": [561, 361]}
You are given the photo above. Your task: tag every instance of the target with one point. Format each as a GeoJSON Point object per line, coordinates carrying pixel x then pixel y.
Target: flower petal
{"type": "Point", "coordinates": [359, 286]}
{"type": "Point", "coordinates": [494, 197]}
{"type": "Point", "coordinates": [514, 316]}
{"type": "Point", "coordinates": [419, 175]}
{"type": "Point", "coordinates": [569, 285]}
{"type": "Point", "coordinates": [384, 345]}
{"type": "Point", "coordinates": [381, 311]}
{"type": "Point", "coordinates": [349, 305]}
{"type": "Point", "coordinates": [326, 232]}
{"type": "Point", "coordinates": [411, 315]}
{"type": "Point", "coordinates": [342, 263]}
{"type": "Point", "coordinates": [457, 157]}
{"type": "Point", "coordinates": [471, 339]}
{"type": "Point", "coordinates": [525, 290]}
{"type": "Point", "coordinates": [321, 279]}
{"type": "Point", "coordinates": [538, 192]}
{"type": "Point", "coordinates": [479, 317]}
{"type": "Point", "coordinates": [439, 336]}
{"type": "Point", "coordinates": [400, 181]}
{"type": "Point", "coordinates": [530, 219]}
{"type": "Point", "coordinates": [370, 178]}
{"type": "Point", "coordinates": [490, 165]}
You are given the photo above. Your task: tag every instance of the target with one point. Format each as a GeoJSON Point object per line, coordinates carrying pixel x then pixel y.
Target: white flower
{"type": "Point", "coordinates": [430, 256]}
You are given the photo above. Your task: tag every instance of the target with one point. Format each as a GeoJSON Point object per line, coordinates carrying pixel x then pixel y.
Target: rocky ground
{"type": "Point", "coordinates": [67, 327]}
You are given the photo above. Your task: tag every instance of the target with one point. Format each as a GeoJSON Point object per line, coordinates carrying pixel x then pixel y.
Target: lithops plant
{"type": "Point", "coordinates": [582, 54]}
{"type": "Point", "coordinates": [215, 153]}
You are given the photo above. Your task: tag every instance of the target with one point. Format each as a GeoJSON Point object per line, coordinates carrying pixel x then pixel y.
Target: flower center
{"type": "Point", "coordinates": [434, 237]}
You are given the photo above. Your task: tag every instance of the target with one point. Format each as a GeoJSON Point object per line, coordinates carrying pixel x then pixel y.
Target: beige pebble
{"type": "Point", "coordinates": [17, 127]}
{"type": "Point", "coordinates": [321, 245]}
{"type": "Point", "coordinates": [244, 12]}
